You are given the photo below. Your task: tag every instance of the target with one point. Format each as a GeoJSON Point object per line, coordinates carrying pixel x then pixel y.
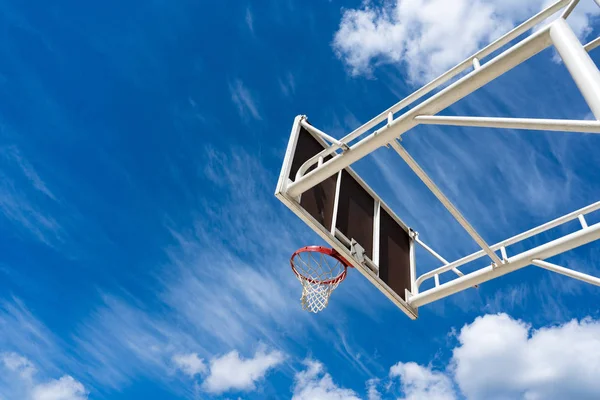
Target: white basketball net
{"type": "Point", "coordinates": [319, 274]}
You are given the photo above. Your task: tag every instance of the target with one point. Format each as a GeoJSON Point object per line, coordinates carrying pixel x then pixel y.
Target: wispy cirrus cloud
{"type": "Point", "coordinates": [12, 154]}
{"type": "Point", "coordinates": [226, 286]}
{"type": "Point", "coordinates": [287, 84]}
{"type": "Point", "coordinates": [22, 333]}
{"type": "Point", "coordinates": [20, 202]}
{"type": "Point", "coordinates": [120, 326]}
{"type": "Point", "coordinates": [249, 19]}
{"type": "Point", "coordinates": [209, 298]}
{"type": "Point", "coordinates": [244, 100]}
{"type": "Point", "coordinates": [31, 356]}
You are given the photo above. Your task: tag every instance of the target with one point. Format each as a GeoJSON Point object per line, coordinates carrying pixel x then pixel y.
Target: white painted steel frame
{"type": "Point", "coordinates": [587, 78]}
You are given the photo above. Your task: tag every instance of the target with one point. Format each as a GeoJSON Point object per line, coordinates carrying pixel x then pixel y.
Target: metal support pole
{"type": "Point", "coordinates": [414, 288]}
{"type": "Point", "coordinates": [444, 200]}
{"type": "Point", "coordinates": [325, 136]}
{"type": "Point", "coordinates": [567, 272]}
{"type": "Point", "coordinates": [569, 9]}
{"type": "Point", "coordinates": [593, 44]}
{"type": "Point", "coordinates": [558, 125]}
{"type": "Point", "coordinates": [578, 62]}
{"type": "Point", "coordinates": [519, 261]}
{"type": "Point", "coordinates": [436, 255]}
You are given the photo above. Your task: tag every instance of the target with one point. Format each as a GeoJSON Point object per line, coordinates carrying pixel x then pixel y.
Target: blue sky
{"type": "Point", "coordinates": [143, 255]}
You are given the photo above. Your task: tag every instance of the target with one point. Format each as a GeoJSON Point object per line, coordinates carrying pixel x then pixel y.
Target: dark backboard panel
{"type": "Point", "coordinates": [356, 209]}
{"type": "Point", "coordinates": [394, 255]}
{"type": "Point", "coordinates": [319, 200]}
{"type": "Point", "coordinates": [356, 216]}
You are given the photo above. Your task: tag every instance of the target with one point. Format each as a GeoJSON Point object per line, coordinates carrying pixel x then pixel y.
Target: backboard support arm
{"type": "Point", "coordinates": [553, 248]}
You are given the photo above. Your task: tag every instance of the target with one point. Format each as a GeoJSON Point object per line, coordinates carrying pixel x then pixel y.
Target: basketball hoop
{"type": "Point", "coordinates": [320, 270]}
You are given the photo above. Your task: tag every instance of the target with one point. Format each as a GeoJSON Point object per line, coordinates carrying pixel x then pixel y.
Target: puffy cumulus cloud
{"type": "Point", "coordinates": [189, 364]}
{"type": "Point", "coordinates": [430, 36]}
{"type": "Point", "coordinates": [423, 383]}
{"type": "Point", "coordinates": [232, 372]}
{"type": "Point", "coordinates": [499, 357]}
{"type": "Point", "coordinates": [65, 388]}
{"type": "Point", "coordinates": [314, 383]}
{"type": "Point", "coordinates": [18, 380]}
{"type": "Point", "coordinates": [19, 364]}
{"type": "Point", "coordinates": [372, 392]}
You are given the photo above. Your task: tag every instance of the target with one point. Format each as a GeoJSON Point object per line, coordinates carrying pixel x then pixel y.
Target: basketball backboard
{"type": "Point", "coordinates": [343, 209]}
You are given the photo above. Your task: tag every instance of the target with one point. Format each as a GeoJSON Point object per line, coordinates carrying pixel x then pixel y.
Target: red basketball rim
{"type": "Point", "coordinates": [328, 252]}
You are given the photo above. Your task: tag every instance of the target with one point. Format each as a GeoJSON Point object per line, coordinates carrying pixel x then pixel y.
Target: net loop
{"type": "Point", "coordinates": [320, 270]}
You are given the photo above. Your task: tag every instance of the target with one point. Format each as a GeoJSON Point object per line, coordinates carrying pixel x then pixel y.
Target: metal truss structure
{"type": "Point", "coordinates": [387, 128]}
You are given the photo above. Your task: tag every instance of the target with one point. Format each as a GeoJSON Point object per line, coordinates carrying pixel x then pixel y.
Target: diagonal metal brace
{"type": "Point", "coordinates": [444, 200]}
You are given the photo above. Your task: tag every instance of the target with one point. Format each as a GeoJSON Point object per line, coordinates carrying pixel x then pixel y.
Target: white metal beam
{"type": "Point", "coordinates": [593, 44]}
{"type": "Point", "coordinates": [332, 140]}
{"type": "Point", "coordinates": [436, 255]}
{"type": "Point", "coordinates": [567, 11]}
{"type": "Point", "coordinates": [519, 261]}
{"type": "Point", "coordinates": [459, 89]}
{"type": "Point", "coordinates": [567, 272]}
{"type": "Point", "coordinates": [561, 125]}
{"type": "Point", "coordinates": [578, 62]}
{"type": "Point", "coordinates": [444, 200]}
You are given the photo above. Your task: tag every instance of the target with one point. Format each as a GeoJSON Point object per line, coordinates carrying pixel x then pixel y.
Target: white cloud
{"type": "Point", "coordinates": [14, 156]}
{"type": "Point", "coordinates": [16, 196]}
{"type": "Point", "coordinates": [65, 388]}
{"type": "Point", "coordinates": [372, 392]}
{"type": "Point", "coordinates": [422, 383]}
{"type": "Point", "coordinates": [500, 357]}
{"type": "Point", "coordinates": [243, 99]}
{"type": "Point", "coordinates": [430, 36]}
{"type": "Point", "coordinates": [19, 364]}
{"type": "Point", "coordinates": [18, 380]}
{"type": "Point", "coordinates": [287, 84]}
{"type": "Point", "coordinates": [231, 372]}
{"type": "Point", "coordinates": [190, 364]}
{"type": "Point", "coordinates": [26, 337]}
{"type": "Point", "coordinates": [250, 20]}
{"type": "Point", "coordinates": [314, 383]}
